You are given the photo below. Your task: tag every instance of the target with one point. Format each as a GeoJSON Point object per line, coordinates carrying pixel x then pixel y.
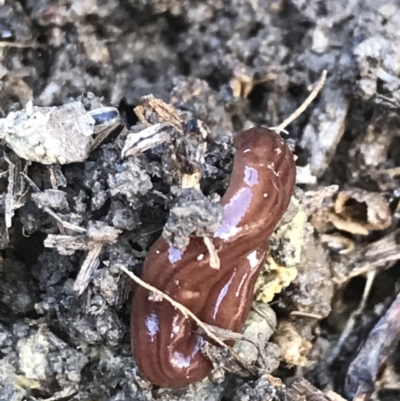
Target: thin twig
{"type": "Point", "coordinates": [148, 138]}
{"type": "Point", "coordinates": [352, 319]}
{"type": "Point", "coordinates": [364, 371]}
{"type": "Point", "coordinates": [186, 312]}
{"type": "Point", "coordinates": [301, 389]}
{"type": "Point", "coordinates": [304, 105]}
{"type": "Point", "coordinates": [9, 201]}
{"type": "Point", "coordinates": [53, 182]}
{"type": "Point", "coordinates": [376, 256]}
{"type": "Point", "coordinates": [90, 264]}
{"type": "Point", "coordinates": [305, 314]}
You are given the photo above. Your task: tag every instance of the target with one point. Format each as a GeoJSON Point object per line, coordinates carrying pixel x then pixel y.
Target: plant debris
{"type": "Point", "coordinates": [117, 122]}
{"type": "Point", "coordinates": [56, 135]}
{"type": "Point", "coordinates": [364, 370]}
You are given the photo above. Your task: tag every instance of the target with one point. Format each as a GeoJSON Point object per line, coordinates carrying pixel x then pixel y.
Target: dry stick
{"type": "Point", "coordinates": [352, 319]}
{"type": "Point", "coordinates": [304, 105]}
{"type": "Point", "coordinates": [364, 371]}
{"type": "Point", "coordinates": [186, 312]}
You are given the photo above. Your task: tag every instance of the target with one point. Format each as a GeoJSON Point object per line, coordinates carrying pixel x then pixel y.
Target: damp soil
{"type": "Point", "coordinates": [230, 65]}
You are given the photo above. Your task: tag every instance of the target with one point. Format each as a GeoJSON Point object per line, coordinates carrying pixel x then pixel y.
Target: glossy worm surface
{"type": "Point", "coordinates": [165, 344]}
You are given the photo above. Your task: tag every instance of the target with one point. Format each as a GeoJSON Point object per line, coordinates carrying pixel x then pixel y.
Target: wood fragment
{"type": "Point", "coordinates": [90, 264]}
{"type": "Point", "coordinates": [98, 236]}
{"type": "Point", "coordinates": [152, 111]}
{"type": "Point", "coordinates": [379, 255]}
{"type": "Point", "coordinates": [352, 319]}
{"type": "Point", "coordinates": [303, 390]}
{"type": "Point", "coordinates": [9, 201]}
{"type": "Point", "coordinates": [57, 178]}
{"type": "Point", "coordinates": [148, 138]}
{"type": "Point", "coordinates": [314, 199]}
{"type": "Point", "coordinates": [191, 180]}
{"type": "Point", "coordinates": [17, 193]}
{"type": "Point", "coordinates": [365, 369]}
{"type": "Point", "coordinates": [54, 173]}
{"type": "Point", "coordinates": [66, 244]}
{"type": "Point", "coordinates": [360, 212]}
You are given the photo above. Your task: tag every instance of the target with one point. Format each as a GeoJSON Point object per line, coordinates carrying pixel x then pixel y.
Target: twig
{"type": "Point", "coordinates": [89, 265]}
{"type": "Point", "coordinates": [305, 314]}
{"type": "Point", "coordinates": [353, 317]}
{"type": "Point", "coordinates": [304, 105]}
{"type": "Point", "coordinates": [9, 201]}
{"type": "Point", "coordinates": [16, 194]}
{"type": "Point", "coordinates": [186, 312]}
{"type": "Point", "coordinates": [301, 389]}
{"type": "Point", "coordinates": [148, 138]}
{"type": "Point", "coordinates": [364, 371]}
{"type": "Point", "coordinates": [376, 256]}
{"type": "Point", "coordinates": [65, 243]}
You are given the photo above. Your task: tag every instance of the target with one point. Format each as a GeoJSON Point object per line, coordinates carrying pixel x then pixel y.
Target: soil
{"type": "Point", "coordinates": [229, 65]}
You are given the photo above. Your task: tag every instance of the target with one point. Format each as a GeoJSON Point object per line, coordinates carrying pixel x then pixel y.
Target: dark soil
{"type": "Point", "coordinates": [231, 64]}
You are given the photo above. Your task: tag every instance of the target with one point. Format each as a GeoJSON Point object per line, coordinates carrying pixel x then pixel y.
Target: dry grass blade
{"type": "Point", "coordinates": [314, 93]}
